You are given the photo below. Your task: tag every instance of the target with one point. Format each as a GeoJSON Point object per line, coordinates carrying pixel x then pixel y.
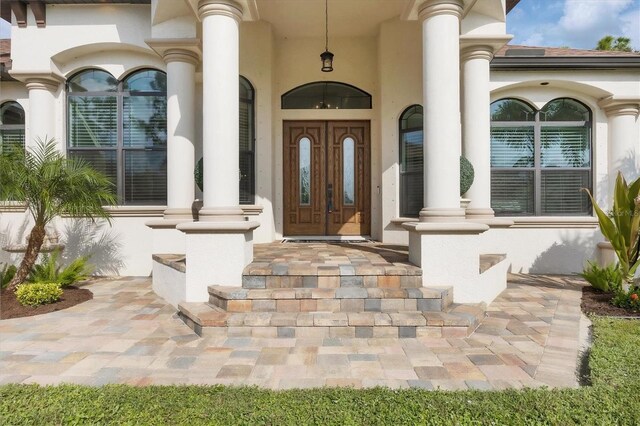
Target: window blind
{"type": "Point", "coordinates": [103, 161]}
{"type": "Point", "coordinates": [145, 121]}
{"type": "Point", "coordinates": [11, 139]}
{"type": "Point", "coordinates": [93, 121]}
{"type": "Point", "coordinates": [512, 147]}
{"type": "Point", "coordinates": [561, 194]}
{"type": "Point", "coordinates": [145, 180]}
{"type": "Point", "coordinates": [512, 192]}
{"type": "Point", "coordinates": [565, 147]}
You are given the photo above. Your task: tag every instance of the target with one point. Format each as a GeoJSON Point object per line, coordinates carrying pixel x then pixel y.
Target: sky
{"type": "Point", "coordinates": [574, 23]}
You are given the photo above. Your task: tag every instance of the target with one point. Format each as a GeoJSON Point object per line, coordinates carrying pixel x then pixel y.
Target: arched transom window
{"type": "Point", "coordinates": [540, 159]}
{"type": "Point", "coordinates": [120, 128]}
{"type": "Point", "coordinates": [326, 95]}
{"type": "Point", "coordinates": [11, 126]}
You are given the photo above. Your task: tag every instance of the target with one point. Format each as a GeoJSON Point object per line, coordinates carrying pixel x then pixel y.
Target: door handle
{"type": "Point", "coordinates": [330, 198]}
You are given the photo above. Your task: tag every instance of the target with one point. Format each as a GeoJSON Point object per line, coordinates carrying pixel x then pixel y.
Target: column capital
{"type": "Point", "coordinates": [38, 80]}
{"type": "Point", "coordinates": [177, 49]}
{"type": "Point", "coordinates": [229, 8]}
{"type": "Point", "coordinates": [478, 47]}
{"type": "Point", "coordinates": [440, 7]}
{"type": "Point", "coordinates": [620, 105]}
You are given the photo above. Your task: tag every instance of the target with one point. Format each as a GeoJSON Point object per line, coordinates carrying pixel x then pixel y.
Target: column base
{"type": "Point", "coordinates": [216, 254]}
{"type": "Point", "coordinates": [221, 214]}
{"type": "Point", "coordinates": [429, 214]}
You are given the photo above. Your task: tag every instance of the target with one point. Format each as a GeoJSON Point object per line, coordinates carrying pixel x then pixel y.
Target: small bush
{"type": "Point", "coordinates": [604, 279]}
{"type": "Point", "coordinates": [628, 299]}
{"type": "Point", "coordinates": [467, 174]}
{"type": "Point", "coordinates": [37, 294]}
{"type": "Point", "coordinates": [6, 274]}
{"type": "Point", "coordinates": [50, 271]}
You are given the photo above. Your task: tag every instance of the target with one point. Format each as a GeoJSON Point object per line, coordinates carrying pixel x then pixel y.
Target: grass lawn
{"type": "Point", "coordinates": [613, 399]}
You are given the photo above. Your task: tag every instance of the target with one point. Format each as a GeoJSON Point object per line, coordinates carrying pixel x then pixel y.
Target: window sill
{"type": "Point", "coordinates": [136, 211]}
{"type": "Point", "coordinates": [588, 222]}
{"type": "Point", "coordinates": [12, 207]}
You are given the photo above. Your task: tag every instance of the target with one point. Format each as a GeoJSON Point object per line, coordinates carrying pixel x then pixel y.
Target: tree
{"type": "Point", "coordinates": [620, 44]}
{"type": "Point", "coordinates": [51, 185]}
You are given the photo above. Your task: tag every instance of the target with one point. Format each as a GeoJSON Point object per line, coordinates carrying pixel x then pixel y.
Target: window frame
{"type": "Point", "coordinates": [537, 124]}
{"type": "Point", "coordinates": [251, 102]}
{"type": "Point", "coordinates": [403, 175]}
{"type": "Point", "coordinates": [325, 84]}
{"type": "Point", "coordinates": [22, 126]}
{"type": "Point", "coordinates": [120, 149]}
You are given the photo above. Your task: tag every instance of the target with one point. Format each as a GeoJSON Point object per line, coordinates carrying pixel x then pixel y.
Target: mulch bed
{"type": "Point", "coordinates": [11, 308]}
{"type": "Point", "coordinates": [599, 303]}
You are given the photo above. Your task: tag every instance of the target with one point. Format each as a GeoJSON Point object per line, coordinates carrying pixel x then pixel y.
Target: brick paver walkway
{"type": "Point", "coordinates": [126, 334]}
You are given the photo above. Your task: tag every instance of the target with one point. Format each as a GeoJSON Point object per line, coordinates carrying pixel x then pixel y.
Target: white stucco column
{"type": "Point", "coordinates": [42, 113]}
{"type": "Point", "coordinates": [624, 141]}
{"type": "Point", "coordinates": [441, 99]}
{"type": "Point", "coordinates": [220, 109]}
{"type": "Point", "coordinates": [181, 111]}
{"type": "Point", "coordinates": [476, 127]}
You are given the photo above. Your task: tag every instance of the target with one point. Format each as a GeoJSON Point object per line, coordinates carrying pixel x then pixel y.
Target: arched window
{"type": "Point", "coordinates": [540, 159]}
{"type": "Point", "coordinates": [247, 142]}
{"type": "Point", "coordinates": [120, 128]}
{"type": "Point", "coordinates": [411, 161]}
{"type": "Point", "coordinates": [11, 126]}
{"type": "Point", "coordinates": [326, 95]}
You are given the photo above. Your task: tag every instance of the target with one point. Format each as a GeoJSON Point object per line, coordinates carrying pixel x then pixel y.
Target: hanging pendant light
{"type": "Point", "coordinates": [326, 56]}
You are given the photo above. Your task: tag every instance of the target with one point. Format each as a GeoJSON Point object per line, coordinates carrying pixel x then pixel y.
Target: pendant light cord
{"type": "Point", "coordinates": [326, 25]}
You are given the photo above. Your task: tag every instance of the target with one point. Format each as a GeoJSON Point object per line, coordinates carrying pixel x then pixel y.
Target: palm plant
{"type": "Point", "coordinates": [51, 185]}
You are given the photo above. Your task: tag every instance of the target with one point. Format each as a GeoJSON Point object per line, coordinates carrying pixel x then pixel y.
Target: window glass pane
{"type": "Point", "coordinates": [411, 195]}
{"type": "Point", "coordinates": [145, 177]}
{"type": "Point", "coordinates": [93, 121]}
{"type": "Point", "coordinates": [93, 81]}
{"type": "Point", "coordinates": [103, 161]}
{"type": "Point", "coordinates": [326, 95]}
{"type": "Point", "coordinates": [565, 147]}
{"type": "Point", "coordinates": [512, 193]}
{"type": "Point", "coordinates": [561, 194]}
{"type": "Point", "coordinates": [412, 118]}
{"type": "Point", "coordinates": [11, 113]}
{"type": "Point", "coordinates": [247, 181]}
{"type": "Point", "coordinates": [512, 147]}
{"type": "Point", "coordinates": [564, 110]}
{"type": "Point", "coordinates": [11, 140]}
{"type": "Point", "coordinates": [511, 110]}
{"type": "Point", "coordinates": [145, 121]}
{"type": "Point", "coordinates": [246, 126]}
{"type": "Point", "coordinates": [348, 173]}
{"type": "Point", "coordinates": [411, 151]}
{"type": "Point", "coordinates": [246, 90]}
{"type": "Point", "coordinates": [146, 81]}
{"type": "Point", "coordinates": [305, 171]}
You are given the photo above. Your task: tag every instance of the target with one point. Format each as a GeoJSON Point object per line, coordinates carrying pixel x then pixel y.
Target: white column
{"type": "Point", "coordinates": [476, 127]}
{"type": "Point", "coordinates": [441, 98]}
{"type": "Point", "coordinates": [42, 114]}
{"type": "Point", "coordinates": [220, 109]}
{"type": "Point", "coordinates": [624, 142]}
{"type": "Point", "coordinates": [181, 69]}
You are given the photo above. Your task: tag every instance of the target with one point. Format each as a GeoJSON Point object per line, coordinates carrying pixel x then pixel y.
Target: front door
{"type": "Point", "coordinates": [327, 178]}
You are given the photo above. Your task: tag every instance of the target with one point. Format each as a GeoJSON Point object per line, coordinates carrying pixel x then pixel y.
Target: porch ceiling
{"type": "Point", "coordinates": [347, 18]}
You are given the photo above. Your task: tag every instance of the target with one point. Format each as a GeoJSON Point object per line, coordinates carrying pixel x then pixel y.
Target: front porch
{"type": "Point", "coordinates": [326, 289]}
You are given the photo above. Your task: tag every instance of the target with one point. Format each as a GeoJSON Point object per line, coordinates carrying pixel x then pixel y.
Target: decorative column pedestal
{"type": "Point", "coordinates": [220, 245]}
{"type": "Point", "coordinates": [443, 243]}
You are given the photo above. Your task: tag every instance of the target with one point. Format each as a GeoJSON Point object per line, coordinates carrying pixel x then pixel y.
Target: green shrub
{"type": "Point", "coordinates": [49, 270]}
{"type": "Point", "coordinates": [6, 274]}
{"type": "Point", "coordinates": [628, 299]}
{"type": "Point", "coordinates": [467, 175]}
{"type": "Point", "coordinates": [604, 279]}
{"type": "Point", "coordinates": [37, 294]}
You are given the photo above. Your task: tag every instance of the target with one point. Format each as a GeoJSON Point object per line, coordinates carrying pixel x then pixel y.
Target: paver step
{"type": "Point", "coordinates": [331, 281]}
{"type": "Point", "coordinates": [343, 299]}
{"type": "Point", "coordinates": [458, 321]}
{"type": "Point", "coordinates": [487, 261]}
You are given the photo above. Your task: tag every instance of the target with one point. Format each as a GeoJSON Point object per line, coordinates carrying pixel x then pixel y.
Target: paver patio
{"type": "Point", "coordinates": [126, 334]}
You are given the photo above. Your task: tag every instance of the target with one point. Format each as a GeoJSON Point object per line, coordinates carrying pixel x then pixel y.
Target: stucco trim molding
{"type": "Point", "coordinates": [136, 211]}
{"type": "Point", "coordinates": [38, 79]}
{"type": "Point", "coordinates": [12, 207]}
{"type": "Point", "coordinates": [553, 222]}
{"type": "Point", "coordinates": [620, 105]}
{"type": "Point", "coordinates": [177, 49]}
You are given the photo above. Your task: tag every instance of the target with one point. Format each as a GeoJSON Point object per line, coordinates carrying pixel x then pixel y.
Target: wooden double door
{"type": "Point", "coordinates": [327, 178]}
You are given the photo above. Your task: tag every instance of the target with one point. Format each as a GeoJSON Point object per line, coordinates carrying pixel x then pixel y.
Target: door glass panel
{"type": "Point", "coordinates": [348, 175]}
{"type": "Point", "coordinates": [305, 171]}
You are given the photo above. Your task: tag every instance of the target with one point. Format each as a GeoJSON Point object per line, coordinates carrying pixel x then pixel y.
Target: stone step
{"type": "Point", "coordinates": [458, 321]}
{"type": "Point", "coordinates": [332, 281]}
{"type": "Point", "coordinates": [487, 261]}
{"type": "Point", "coordinates": [343, 299]}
